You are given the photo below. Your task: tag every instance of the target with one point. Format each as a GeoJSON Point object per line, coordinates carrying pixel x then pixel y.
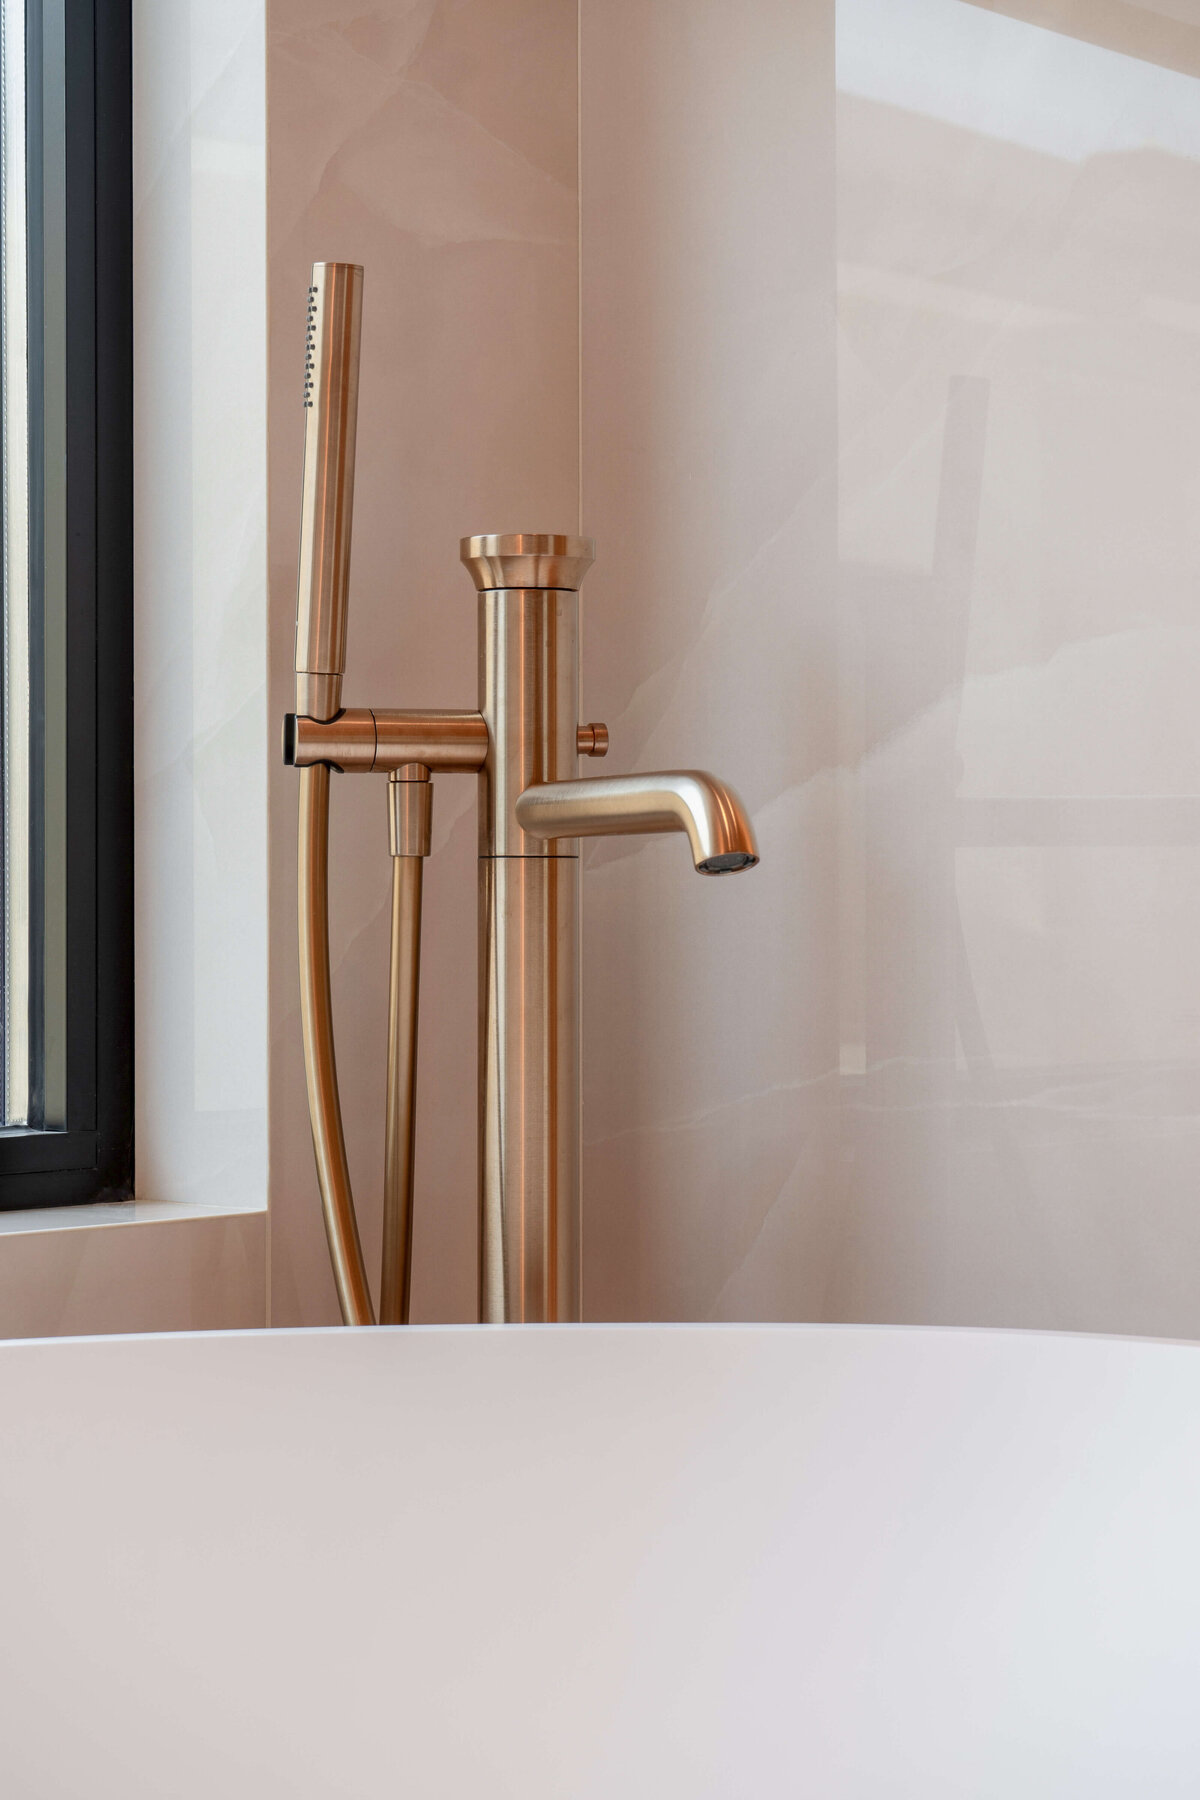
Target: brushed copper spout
{"type": "Point", "coordinates": [718, 830]}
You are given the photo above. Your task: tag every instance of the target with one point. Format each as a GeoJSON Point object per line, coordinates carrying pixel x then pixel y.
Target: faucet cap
{"type": "Point", "coordinates": [527, 559]}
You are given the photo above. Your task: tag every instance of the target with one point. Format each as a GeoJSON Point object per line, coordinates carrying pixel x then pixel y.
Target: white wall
{"type": "Point", "coordinates": [200, 586]}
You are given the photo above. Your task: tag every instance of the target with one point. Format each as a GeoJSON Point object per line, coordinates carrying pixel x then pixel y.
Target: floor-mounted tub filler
{"type": "Point", "coordinates": [523, 743]}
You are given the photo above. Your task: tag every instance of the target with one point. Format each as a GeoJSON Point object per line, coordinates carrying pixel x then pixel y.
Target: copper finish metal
{"type": "Point", "coordinates": [318, 696]}
{"type": "Point", "coordinates": [331, 418]}
{"type": "Point", "coordinates": [346, 742]}
{"type": "Point", "coordinates": [363, 740]}
{"type": "Point", "coordinates": [410, 815]}
{"type": "Point", "coordinates": [400, 1131]}
{"type": "Point", "coordinates": [449, 742]}
{"type": "Point", "coordinates": [527, 559]}
{"type": "Point", "coordinates": [528, 954]}
{"type": "Point", "coordinates": [718, 829]}
{"type": "Point", "coordinates": [528, 697]}
{"type": "Point", "coordinates": [530, 1215]}
{"type": "Point", "coordinates": [410, 810]}
{"type": "Point", "coordinates": [592, 740]}
{"type": "Point", "coordinates": [320, 1064]}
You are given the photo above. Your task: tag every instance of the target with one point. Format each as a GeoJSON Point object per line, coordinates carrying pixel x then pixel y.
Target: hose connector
{"type": "Point", "coordinates": [410, 810]}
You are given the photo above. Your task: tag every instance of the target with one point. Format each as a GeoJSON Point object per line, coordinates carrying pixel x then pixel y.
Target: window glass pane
{"type": "Point", "coordinates": [46, 213]}
{"type": "Point", "coordinates": [32, 524]}
{"type": "Point", "coordinates": [14, 524]}
{"type": "Point", "coordinates": [1019, 378]}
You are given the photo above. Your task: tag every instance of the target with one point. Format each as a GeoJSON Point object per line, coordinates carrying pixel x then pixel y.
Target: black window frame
{"type": "Point", "coordinates": [92, 1158]}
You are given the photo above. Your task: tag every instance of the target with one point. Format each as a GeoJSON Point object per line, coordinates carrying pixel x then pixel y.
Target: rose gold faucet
{"type": "Point", "coordinates": [524, 741]}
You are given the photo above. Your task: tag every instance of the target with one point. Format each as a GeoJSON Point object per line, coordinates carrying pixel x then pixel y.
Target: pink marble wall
{"type": "Point", "coordinates": [709, 415]}
{"type": "Point", "coordinates": [889, 409]}
{"type": "Point", "coordinates": [435, 143]}
{"type": "Point", "coordinates": [1019, 374]}
{"type": "Point", "coordinates": [938, 1060]}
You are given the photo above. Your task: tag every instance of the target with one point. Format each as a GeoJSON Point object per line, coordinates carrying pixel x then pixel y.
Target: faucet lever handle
{"type": "Point", "coordinates": [331, 359]}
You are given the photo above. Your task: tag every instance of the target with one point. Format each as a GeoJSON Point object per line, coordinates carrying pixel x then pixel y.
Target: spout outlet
{"type": "Point", "coordinates": [718, 829]}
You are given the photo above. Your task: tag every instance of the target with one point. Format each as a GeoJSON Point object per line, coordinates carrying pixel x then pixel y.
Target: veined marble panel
{"type": "Point", "coordinates": [889, 381]}
{"type": "Point", "coordinates": [709, 419]}
{"type": "Point", "coordinates": [1019, 314]}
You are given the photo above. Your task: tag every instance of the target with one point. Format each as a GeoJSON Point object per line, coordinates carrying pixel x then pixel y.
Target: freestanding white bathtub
{"type": "Point", "coordinates": [673, 1562]}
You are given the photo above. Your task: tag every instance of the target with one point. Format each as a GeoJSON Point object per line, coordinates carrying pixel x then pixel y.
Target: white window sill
{"type": "Point", "coordinates": [138, 1265]}
{"type": "Point", "coordinates": [126, 1212]}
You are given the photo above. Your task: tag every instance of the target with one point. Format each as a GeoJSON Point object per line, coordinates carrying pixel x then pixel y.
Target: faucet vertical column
{"type": "Point", "coordinates": [529, 1089]}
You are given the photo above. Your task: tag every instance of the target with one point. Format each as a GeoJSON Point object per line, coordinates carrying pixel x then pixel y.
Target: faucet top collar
{"type": "Point", "coordinates": [527, 559]}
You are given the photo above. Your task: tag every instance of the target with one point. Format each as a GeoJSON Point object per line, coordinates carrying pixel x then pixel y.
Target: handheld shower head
{"type": "Point", "coordinates": [331, 420]}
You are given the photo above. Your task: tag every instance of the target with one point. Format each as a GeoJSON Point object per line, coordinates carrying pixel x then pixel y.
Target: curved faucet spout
{"type": "Point", "coordinates": [720, 833]}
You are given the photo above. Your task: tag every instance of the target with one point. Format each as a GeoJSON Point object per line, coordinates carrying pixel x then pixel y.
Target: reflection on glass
{"type": "Point", "coordinates": [14, 525]}
{"type": "Point", "coordinates": [1019, 380]}
{"type": "Point", "coordinates": [32, 524]}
